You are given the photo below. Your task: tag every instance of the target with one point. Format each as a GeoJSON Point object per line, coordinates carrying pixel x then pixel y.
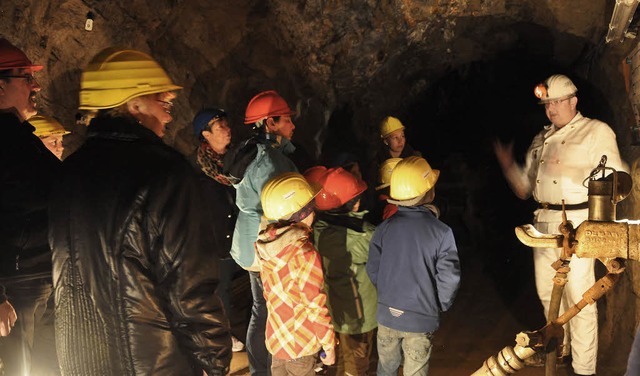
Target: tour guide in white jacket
{"type": "Point", "coordinates": [559, 159]}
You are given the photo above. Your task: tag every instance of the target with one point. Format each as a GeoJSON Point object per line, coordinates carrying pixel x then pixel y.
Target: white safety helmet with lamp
{"type": "Point", "coordinates": [554, 88]}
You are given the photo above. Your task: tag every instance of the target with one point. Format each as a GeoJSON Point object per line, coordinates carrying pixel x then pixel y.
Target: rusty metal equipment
{"type": "Point", "coordinates": [601, 237]}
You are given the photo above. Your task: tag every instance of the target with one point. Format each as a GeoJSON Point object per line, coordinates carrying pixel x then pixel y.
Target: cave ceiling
{"type": "Point", "coordinates": [374, 57]}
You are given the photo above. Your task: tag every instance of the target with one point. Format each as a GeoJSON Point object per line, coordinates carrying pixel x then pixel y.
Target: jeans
{"type": "Point", "coordinates": [259, 357]}
{"type": "Point", "coordinates": [31, 344]}
{"type": "Point", "coordinates": [303, 366]}
{"type": "Point", "coordinates": [228, 268]}
{"type": "Point", "coordinates": [393, 343]}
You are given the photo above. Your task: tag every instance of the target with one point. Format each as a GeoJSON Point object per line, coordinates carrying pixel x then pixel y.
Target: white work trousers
{"type": "Point", "coordinates": [582, 330]}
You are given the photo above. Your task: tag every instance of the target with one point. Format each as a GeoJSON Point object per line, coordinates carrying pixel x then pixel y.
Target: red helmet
{"type": "Point", "coordinates": [12, 57]}
{"type": "Point", "coordinates": [338, 187]}
{"type": "Point", "coordinates": [315, 174]}
{"type": "Point", "coordinates": [264, 105]}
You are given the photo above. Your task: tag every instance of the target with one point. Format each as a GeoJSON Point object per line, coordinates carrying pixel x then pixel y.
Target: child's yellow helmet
{"type": "Point", "coordinates": [286, 194]}
{"type": "Point", "coordinates": [411, 178]}
{"type": "Point", "coordinates": [384, 174]}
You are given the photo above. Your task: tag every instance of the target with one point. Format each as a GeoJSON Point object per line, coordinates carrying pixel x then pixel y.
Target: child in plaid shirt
{"type": "Point", "coordinates": [298, 324]}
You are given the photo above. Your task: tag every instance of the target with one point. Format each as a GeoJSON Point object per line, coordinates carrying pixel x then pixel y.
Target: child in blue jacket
{"type": "Point", "coordinates": [413, 262]}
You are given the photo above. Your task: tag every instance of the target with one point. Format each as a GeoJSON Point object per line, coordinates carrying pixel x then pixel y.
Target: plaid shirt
{"type": "Point", "coordinates": [298, 323]}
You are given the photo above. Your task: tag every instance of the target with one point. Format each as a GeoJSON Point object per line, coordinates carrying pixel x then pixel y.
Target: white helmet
{"type": "Point", "coordinates": [555, 88]}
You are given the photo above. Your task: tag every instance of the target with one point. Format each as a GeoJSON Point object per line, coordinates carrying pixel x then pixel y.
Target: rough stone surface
{"type": "Point", "coordinates": [451, 69]}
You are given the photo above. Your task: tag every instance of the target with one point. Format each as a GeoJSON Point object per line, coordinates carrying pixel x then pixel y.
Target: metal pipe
{"type": "Point", "coordinates": [559, 281]}
{"type": "Point", "coordinates": [620, 19]}
{"type": "Point", "coordinates": [596, 292]}
{"type": "Point", "coordinates": [507, 361]}
{"type": "Point", "coordinates": [529, 236]}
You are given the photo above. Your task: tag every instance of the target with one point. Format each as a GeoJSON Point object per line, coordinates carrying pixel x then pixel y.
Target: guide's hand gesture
{"type": "Point", "coordinates": [8, 318]}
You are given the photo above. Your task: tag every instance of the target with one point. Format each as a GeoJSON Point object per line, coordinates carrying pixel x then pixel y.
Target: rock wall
{"type": "Point", "coordinates": [373, 56]}
{"type": "Point", "coordinates": [344, 65]}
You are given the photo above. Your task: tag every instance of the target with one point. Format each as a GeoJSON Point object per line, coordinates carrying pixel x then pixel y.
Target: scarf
{"type": "Point", "coordinates": [211, 164]}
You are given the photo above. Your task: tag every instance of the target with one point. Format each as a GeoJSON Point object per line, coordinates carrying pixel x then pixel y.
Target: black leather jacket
{"type": "Point", "coordinates": [133, 270]}
{"type": "Point", "coordinates": [220, 202]}
{"type": "Point", "coordinates": [27, 173]}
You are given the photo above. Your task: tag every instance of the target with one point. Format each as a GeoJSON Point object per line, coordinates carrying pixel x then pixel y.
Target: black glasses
{"type": "Point", "coordinates": [165, 104]}
{"type": "Point", "coordinates": [29, 77]}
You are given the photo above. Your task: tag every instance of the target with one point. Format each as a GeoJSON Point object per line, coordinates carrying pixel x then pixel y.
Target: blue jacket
{"type": "Point", "coordinates": [269, 162]}
{"type": "Point", "coordinates": [413, 261]}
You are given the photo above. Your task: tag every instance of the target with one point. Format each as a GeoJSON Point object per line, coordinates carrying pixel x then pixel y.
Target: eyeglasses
{"type": "Point", "coordinates": [29, 77]}
{"type": "Point", "coordinates": [166, 105]}
{"type": "Point", "coordinates": [556, 102]}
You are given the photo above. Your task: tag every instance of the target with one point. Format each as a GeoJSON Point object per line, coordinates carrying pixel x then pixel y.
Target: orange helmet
{"type": "Point", "coordinates": [338, 187]}
{"type": "Point", "coordinates": [264, 105]}
{"type": "Point", "coordinates": [315, 174]}
{"type": "Point", "coordinates": [12, 57]}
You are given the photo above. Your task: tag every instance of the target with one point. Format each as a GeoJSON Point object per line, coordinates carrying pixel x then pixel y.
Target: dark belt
{"type": "Point", "coordinates": [580, 206]}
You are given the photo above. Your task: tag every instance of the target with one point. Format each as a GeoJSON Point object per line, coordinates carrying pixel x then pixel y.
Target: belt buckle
{"type": "Point", "coordinates": [545, 205]}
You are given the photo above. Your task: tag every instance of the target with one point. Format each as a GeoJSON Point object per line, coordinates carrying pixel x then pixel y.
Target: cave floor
{"type": "Point", "coordinates": [481, 322]}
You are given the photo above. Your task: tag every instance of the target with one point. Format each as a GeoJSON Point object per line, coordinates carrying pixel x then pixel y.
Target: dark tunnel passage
{"type": "Point", "coordinates": [454, 124]}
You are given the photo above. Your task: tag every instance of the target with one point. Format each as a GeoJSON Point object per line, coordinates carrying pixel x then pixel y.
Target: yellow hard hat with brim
{"type": "Point", "coordinates": [117, 75]}
{"type": "Point", "coordinates": [389, 125]}
{"type": "Point", "coordinates": [411, 179]}
{"type": "Point", "coordinates": [47, 126]}
{"type": "Point", "coordinates": [285, 194]}
{"type": "Point", "coordinates": [384, 173]}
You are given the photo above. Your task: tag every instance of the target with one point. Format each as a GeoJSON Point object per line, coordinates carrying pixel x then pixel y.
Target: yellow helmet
{"type": "Point", "coordinates": [46, 126]}
{"type": "Point", "coordinates": [385, 172]}
{"type": "Point", "coordinates": [286, 194]}
{"type": "Point", "coordinates": [411, 178]}
{"type": "Point", "coordinates": [389, 125]}
{"type": "Point", "coordinates": [116, 75]}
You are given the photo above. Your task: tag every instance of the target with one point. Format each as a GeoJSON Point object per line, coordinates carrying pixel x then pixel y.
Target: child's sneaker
{"type": "Point", "coordinates": [236, 345]}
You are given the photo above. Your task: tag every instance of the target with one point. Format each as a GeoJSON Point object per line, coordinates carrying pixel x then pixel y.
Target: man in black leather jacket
{"type": "Point", "coordinates": [133, 270]}
{"type": "Point", "coordinates": [27, 173]}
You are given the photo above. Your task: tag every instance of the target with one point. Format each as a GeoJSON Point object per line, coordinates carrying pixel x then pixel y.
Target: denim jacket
{"type": "Point", "coordinates": [270, 161]}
